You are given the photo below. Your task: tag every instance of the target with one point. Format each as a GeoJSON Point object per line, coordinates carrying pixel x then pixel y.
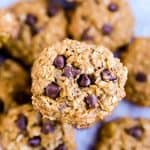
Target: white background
{"type": "Point", "coordinates": [85, 137]}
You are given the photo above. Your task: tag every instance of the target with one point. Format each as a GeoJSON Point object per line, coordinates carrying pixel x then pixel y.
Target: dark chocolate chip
{"type": "Point", "coordinates": [107, 29]}
{"type": "Point", "coordinates": [84, 80]}
{"type": "Point", "coordinates": [52, 90]}
{"type": "Point", "coordinates": [59, 62]}
{"type": "Point", "coordinates": [85, 35]}
{"type": "Point", "coordinates": [91, 101]}
{"type": "Point", "coordinates": [22, 122]}
{"type": "Point", "coordinates": [141, 77]}
{"type": "Point", "coordinates": [71, 72]}
{"type": "Point", "coordinates": [53, 8]}
{"type": "Point", "coordinates": [113, 7]}
{"type": "Point", "coordinates": [68, 5]}
{"type": "Point", "coordinates": [61, 147]}
{"type": "Point", "coordinates": [107, 75]}
{"type": "Point", "coordinates": [31, 20]}
{"type": "Point", "coordinates": [34, 141]}
{"type": "Point", "coordinates": [47, 127]}
{"type": "Point", "coordinates": [1, 106]}
{"type": "Point", "coordinates": [136, 132]}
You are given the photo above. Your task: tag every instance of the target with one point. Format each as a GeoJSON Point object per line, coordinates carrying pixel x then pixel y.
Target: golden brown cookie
{"type": "Point", "coordinates": [24, 129]}
{"type": "Point", "coordinates": [14, 84]}
{"type": "Point", "coordinates": [77, 83]}
{"type": "Point", "coordinates": [137, 60]}
{"type": "Point", "coordinates": [107, 22]}
{"type": "Point", "coordinates": [9, 26]}
{"type": "Point", "coordinates": [41, 23]}
{"type": "Point", "coordinates": [125, 134]}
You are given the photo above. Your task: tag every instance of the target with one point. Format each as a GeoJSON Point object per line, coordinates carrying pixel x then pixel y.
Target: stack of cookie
{"type": "Point", "coordinates": [65, 47]}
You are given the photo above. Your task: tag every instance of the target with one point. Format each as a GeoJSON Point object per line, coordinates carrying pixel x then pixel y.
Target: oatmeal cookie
{"type": "Point", "coordinates": [107, 22]}
{"type": "Point", "coordinates": [41, 23]}
{"type": "Point", "coordinates": [29, 131]}
{"type": "Point", "coordinates": [126, 134]}
{"type": "Point", "coordinates": [137, 60]}
{"type": "Point", "coordinates": [14, 84]}
{"type": "Point", "coordinates": [77, 82]}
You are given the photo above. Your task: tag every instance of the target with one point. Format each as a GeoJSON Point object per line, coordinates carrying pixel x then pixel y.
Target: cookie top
{"type": "Point", "coordinates": [137, 60]}
{"type": "Point", "coordinates": [14, 84]}
{"type": "Point", "coordinates": [107, 22]}
{"type": "Point", "coordinates": [7, 25]}
{"type": "Point", "coordinates": [41, 23]}
{"type": "Point", "coordinates": [28, 131]}
{"type": "Point", "coordinates": [126, 134]}
{"type": "Point", "coordinates": [77, 82]}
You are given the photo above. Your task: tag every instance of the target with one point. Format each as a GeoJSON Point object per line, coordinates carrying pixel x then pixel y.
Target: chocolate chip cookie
{"type": "Point", "coordinates": [125, 134]}
{"type": "Point", "coordinates": [137, 60]}
{"type": "Point", "coordinates": [8, 26]}
{"type": "Point", "coordinates": [77, 83]}
{"type": "Point", "coordinates": [107, 22]}
{"type": "Point", "coordinates": [41, 23]}
{"type": "Point", "coordinates": [27, 131]}
{"type": "Point", "coordinates": [14, 84]}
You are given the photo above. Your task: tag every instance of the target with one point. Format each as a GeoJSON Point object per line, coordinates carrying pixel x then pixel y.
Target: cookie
{"type": "Point", "coordinates": [41, 23]}
{"type": "Point", "coordinates": [77, 82]}
{"type": "Point", "coordinates": [28, 131]}
{"type": "Point", "coordinates": [126, 134]}
{"type": "Point", "coordinates": [137, 60]}
{"type": "Point", "coordinates": [107, 22]}
{"type": "Point", "coordinates": [8, 22]}
{"type": "Point", "coordinates": [14, 82]}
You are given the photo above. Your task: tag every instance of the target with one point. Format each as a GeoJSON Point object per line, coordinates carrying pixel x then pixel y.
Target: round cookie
{"type": "Point", "coordinates": [125, 134]}
{"type": "Point", "coordinates": [28, 131]}
{"type": "Point", "coordinates": [77, 82]}
{"type": "Point", "coordinates": [8, 22]}
{"type": "Point", "coordinates": [107, 22]}
{"type": "Point", "coordinates": [137, 60]}
{"type": "Point", "coordinates": [41, 24]}
{"type": "Point", "coordinates": [14, 82]}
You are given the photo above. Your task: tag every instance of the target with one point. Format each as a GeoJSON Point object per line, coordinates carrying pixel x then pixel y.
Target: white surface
{"type": "Point", "coordinates": [141, 11]}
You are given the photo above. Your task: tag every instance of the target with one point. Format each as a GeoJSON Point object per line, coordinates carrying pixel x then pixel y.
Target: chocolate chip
{"type": "Point", "coordinates": [107, 29]}
{"type": "Point", "coordinates": [136, 132]}
{"type": "Point", "coordinates": [34, 141]}
{"type": "Point", "coordinates": [113, 7]}
{"type": "Point", "coordinates": [31, 20]}
{"type": "Point", "coordinates": [61, 147]}
{"type": "Point", "coordinates": [91, 101]}
{"type": "Point", "coordinates": [59, 62]}
{"type": "Point", "coordinates": [53, 8]}
{"type": "Point", "coordinates": [22, 122]}
{"type": "Point", "coordinates": [47, 127]}
{"type": "Point", "coordinates": [85, 35]}
{"type": "Point", "coordinates": [1, 106]}
{"type": "Point", "coordinates": [68, 5]}
{"type": "Point", "coordinates": [141, 77]}
{"type": "Point", "coordinates": [84, 80]}
{"type": "Point", "coordinates": [106, 75]}
{"type": "Point", "coordinates": [52, 90]}
{"type": "Point", "coordinates": [71, 72]}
